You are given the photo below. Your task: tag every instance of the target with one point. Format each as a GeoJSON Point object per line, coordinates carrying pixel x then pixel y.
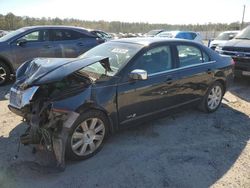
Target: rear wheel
{"type": "Point", "coordinates": [212, 99]}
{"type": "Point", "coordinates": [4, 73]}
{"type": "Point", "coordinates": [87, 135]}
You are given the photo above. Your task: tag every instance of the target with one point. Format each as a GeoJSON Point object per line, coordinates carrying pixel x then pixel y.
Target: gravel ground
{"type": "Point", "coordinates": [185, 149]}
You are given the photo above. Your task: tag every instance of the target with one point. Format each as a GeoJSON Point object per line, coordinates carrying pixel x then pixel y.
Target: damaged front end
{"type": "Point", "coordinates": [48, 104]}
{"type": "Point", "coordinates": [41, 107]}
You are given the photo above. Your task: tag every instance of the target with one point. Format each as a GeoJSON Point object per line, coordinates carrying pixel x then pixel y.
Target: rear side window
{"type": "Point", "coordinates": [155, 60]}
{"type": "Point", "coordinates": [64, 34]}
{"type": "Point", "coordinates": [186, 35]}
{"type": "Point", "coordinates": [206, 58]}
{"type": "Point", "coordinates": [193, 35]}
{"type": "Point", "coordinates": [190, 55]}
{"type": "Point", "coordinates": [180, 36]}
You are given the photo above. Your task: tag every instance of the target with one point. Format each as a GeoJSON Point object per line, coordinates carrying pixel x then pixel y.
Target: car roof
{"type": "Point", "coordinates": [54, 26]}
{"type": "Point", "coordinates": [145, 41]}
{"type": "Point", "coordinates": [97, 30]}
{"type": "Point", "coordinates": [79, 29]}
{"type": "Point", "coordinates": [176, 32]}
{"type": "Point", "coordinates": [179, 32]}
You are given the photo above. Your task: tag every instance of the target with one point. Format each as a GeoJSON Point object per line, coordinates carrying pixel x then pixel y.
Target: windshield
{"type": "Point", "coordinates": [226, 36]}
{"type": "Point", "coordinates": [11, 34]}
{"type": "Point", "coordinates": [244, 34]}
{"type": "Point", "coordinates": [118, 55]}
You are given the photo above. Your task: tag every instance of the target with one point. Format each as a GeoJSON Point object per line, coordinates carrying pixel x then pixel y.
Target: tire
{"type": "Point", "coordinates": [211, 96]}
{"type": "Point", "coordinates": [79, 145]}
{"type": "Point", "coordinates": [4, 73]}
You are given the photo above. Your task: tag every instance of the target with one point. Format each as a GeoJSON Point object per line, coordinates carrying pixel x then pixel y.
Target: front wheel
{"type": "Point", "coordinates": [4, 73]}
{"type": "Point", "coordinates": [212, 99]}
{"type": "Point", "coordinates": [87, 135]}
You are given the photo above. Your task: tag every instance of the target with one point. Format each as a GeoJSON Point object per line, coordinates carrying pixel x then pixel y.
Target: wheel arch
{"type": "Point", "coordinates": [7, 63]}
{"type": "Point", "coordinates": [90, 106]}
{"type": "Point", "coordinates": [223, 83]}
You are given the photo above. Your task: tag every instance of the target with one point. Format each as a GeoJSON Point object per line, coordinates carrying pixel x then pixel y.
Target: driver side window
{"type": "Point", "coordinates": [36, 36]}
{"type": "Point", "coordinates": [155, 60]}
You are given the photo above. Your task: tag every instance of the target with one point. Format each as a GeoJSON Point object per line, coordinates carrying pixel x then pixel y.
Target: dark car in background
{"type": "Point", "coordinates": [71, 105]}
{"type": "Point", "coordinates": [42, 41]}
{"type": "Point", "coordinates": [239, 49]}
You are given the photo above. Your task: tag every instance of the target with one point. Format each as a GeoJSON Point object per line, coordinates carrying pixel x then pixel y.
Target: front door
{"type": "Point", "coordinates": [35, 44]}
{"type": "Point", "coordinates": [137, 99]}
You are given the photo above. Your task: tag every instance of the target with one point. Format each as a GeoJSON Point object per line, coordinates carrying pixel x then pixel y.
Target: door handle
{"type": "Point", "coordinates": [48, 46]}
{"type": "Point", "coordinates": [169, 80]}
{"type": "Point", "coordinates": [209, 71]}
{"type": "Point", "coordinates": [80, 44]}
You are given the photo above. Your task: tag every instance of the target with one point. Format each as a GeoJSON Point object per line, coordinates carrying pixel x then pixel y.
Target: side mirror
{"type": "Point", "coordinates": [138, 74]}
{"type": "Point", "coordinates": [21, 42]}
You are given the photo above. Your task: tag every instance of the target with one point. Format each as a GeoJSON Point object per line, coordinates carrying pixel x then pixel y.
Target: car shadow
{"type": "Point", "coordinates": [186, 149]}
{"type": "Point", "coordinates": [241, 88]}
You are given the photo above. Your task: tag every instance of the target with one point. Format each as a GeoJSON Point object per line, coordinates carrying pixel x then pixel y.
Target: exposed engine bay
{"type": "Point", "coordinates": [47, 124]}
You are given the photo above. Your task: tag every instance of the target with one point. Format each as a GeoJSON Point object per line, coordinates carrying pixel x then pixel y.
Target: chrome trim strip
{"type": "Point", "coordinates": [180, 68]}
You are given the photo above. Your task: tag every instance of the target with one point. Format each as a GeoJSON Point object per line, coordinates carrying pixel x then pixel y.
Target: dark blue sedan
{"type": "Point", "coordinates": [72, 105]}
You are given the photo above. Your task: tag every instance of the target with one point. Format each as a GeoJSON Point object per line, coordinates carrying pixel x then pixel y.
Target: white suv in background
{"type": "Point", "coordinates": [222, 38]}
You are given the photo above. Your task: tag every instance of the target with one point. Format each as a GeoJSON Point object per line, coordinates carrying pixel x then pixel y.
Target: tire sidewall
{"type": "Point", "coordinates": [7, 70]}
{"type": "Point", "coordinates": [69, 153]}
{"type": "Point", "coordinates": [205, 100]}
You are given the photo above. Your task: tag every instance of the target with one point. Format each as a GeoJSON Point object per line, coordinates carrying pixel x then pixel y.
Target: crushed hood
{"type": "Point", "coordinates": [47, 70]}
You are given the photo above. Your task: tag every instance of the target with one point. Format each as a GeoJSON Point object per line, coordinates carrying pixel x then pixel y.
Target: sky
{"type": "Point", "coordinates": [150, 11]}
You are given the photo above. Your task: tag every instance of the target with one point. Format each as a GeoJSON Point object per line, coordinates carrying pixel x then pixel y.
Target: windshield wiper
{"type": "Point", "coordinates": [244, 38]}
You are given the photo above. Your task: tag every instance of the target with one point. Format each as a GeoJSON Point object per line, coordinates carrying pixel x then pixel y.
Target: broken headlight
{"type": "Point", "coordinates": [20, 98]}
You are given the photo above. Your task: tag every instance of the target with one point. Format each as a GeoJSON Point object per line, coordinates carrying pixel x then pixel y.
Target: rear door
{"type": "Point", "coordinates": [70, 43]}
{"type": "Point", "coordinates": [137, 99]}
{"type": "Point", "coordinates": [37, 45]}
{"type": "Point", "coordinates": [195, 72]}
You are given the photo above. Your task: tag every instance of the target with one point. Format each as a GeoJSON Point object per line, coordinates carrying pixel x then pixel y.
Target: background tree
{"type": "Point", "coordinates": [12, 22]}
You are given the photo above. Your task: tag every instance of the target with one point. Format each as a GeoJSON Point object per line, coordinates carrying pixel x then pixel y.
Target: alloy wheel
{"type": "Point", "coordinates": [88, 136]}
{"type": "Point", "coordinates": [214, 97]}
{"type": "Point", "coordinates": [3, 75]}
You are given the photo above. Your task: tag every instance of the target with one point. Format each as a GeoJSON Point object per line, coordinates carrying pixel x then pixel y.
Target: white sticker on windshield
{"type": "Point", "coordinates": [120, 51]}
